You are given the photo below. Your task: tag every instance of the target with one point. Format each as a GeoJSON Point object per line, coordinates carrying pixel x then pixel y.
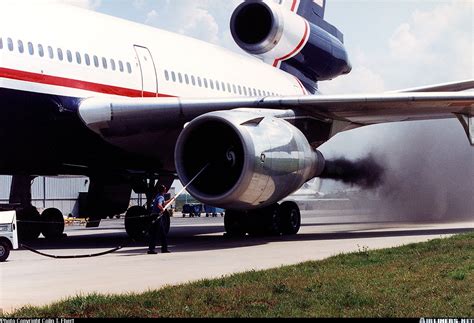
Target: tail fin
{"type": "Point", "coordinates": [309, 8]}
{"type": "Point", "coordinates": [313, 11]}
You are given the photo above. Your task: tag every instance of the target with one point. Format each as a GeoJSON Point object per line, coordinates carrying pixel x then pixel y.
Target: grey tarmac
{"type": "Point", "coordinates": [199, 251]}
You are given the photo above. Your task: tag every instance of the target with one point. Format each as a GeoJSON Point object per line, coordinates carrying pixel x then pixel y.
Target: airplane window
{"type": "Point", "coordinates": [235, 88]}
{"type": "Point", "coordinates": [129, 68]}
{"type": "Point", "coordinates": [104, 62]}
{"type": "Point", "coordinates": [20, 46]}
{"type": "Point", "coordinates": [173, 76]}
{"type": "Point", "coordinates": [112, 64]}
{"type": "Point", "coordinates": [167, 75]}
{"type": "Point", "coordinates": [1, 43]}
{"type": "Point", "coordinates": [228, 88]}
{"type": "Point", "coordinates": [218, 86]}
{"type": "Point", "coordinates": [96, 61]}
{"type": "Point", "coordinates": [40, 50]}
{"type": "Point", "coordinates": [10, 44]}
{"type": "Point", "coordinates": [69, 56]}
{"type": "Point", "coordinates": [87, 59]}
{"type": "Point", "coordinates": [180, 77]}
{"type": "Point", "coordinates": [193, 80]}
{"type": "Point", "coordinates": [31, 49]}
{"type": "Point", "coordinates": [121, 66]}
{"type": "Point", "coordinates": [60, 54]}
{"type": "Point", "coordinates": [223, 86]}
{"type": "Point", "coordinates": [211, 82]}
{"type": "Point", "coordinates": [186, 78]}
{"type": "Point", "coordinates": [78, 58]}
{"type": "Point", "coordinates": [240, 90]}
{"type": "Point", "coordinates": [259, 92]}
{"type": "Point", "coordinates": [254, 92]}
{"type": "Point", "coordinates": [51, 52]}
{"type": "Point", "coordinates": [245, 90]}
{"type": "Point", "coordinates": [205, 82]}
{"type": "Point", "coordinates": [199, 81]}
{"type": "Point", "coordinates": [249, 91]}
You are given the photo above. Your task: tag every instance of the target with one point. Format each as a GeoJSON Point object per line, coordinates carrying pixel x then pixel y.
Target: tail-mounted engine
{"type": "Point", "coordinates": [276, 34]}
{"type": "Point", "coordinates": [254, 161]}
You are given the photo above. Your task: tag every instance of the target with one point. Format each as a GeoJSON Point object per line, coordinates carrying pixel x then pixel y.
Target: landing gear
{"type": "Point", "coordinates": [290, 218]}
{"type": "Point", "coordinates": [52, 223]}
{"type": "Point", "coordinates": [235, 223]}
{"type": "Point", "coordinates": [273, 220]}
{"type": "Point", "coordinates": [137, 222]}
{"type": "Point", "coordinates": [29, 223]}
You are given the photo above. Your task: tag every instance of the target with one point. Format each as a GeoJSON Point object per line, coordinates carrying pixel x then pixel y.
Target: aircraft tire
{"type": "Point", "coordinates": [265, 221]}
{"type": "Point", "coordinates": [53, 223]}
{"type": "Point", "coordinates": [137, 223]}
{"type": "Point", "coordinates": [234, 223]}
{"type": "Point", "coordinates": [29, 223]}
{"type": "Point", "coordinates": [290, 218]}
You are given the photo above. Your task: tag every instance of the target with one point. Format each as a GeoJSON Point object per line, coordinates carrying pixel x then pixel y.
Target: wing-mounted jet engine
{"type": "Point", "coordinates": [253, 161]}
{"type": "Point", "coordinates": [303, 45]}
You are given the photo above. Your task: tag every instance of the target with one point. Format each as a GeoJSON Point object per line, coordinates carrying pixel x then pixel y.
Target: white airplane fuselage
{"type": "Point", "coordinates": [58, 55]}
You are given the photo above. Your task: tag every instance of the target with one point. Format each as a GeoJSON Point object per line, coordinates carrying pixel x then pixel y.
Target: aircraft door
{"type": "Point", "coordinates": [148, 70]}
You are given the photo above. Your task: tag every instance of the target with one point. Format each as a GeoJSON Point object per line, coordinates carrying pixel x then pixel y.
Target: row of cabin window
{"type": "Point", "coordinates": [69, 55]}
{"type": "Point", "coordinates": [215, 85]}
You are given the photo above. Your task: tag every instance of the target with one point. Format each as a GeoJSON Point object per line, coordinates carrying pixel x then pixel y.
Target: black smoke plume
{"type": "Point", "coordinates": [366, 172]}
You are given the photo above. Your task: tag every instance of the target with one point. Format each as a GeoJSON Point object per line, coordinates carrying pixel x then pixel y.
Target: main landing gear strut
{"type": "Point", "coordinates": [278, 219]}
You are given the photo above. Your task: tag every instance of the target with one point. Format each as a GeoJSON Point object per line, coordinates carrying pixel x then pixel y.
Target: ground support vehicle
{"type": "Point", "coordinates": [193, 210]}
{"type": "Point", "coordinates": [8, 234]}
{"type": "Point", "coordinates": [213, 211]}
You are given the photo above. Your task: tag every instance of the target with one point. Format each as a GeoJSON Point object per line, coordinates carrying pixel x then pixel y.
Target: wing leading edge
{"type": "Point", "coordinates": [121, 117]}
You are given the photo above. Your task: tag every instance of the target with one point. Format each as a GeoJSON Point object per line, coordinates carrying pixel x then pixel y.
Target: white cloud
{"type": "Point", "coordinates": [435, 44]}
{"type": "Point", "coordinates": [203, 19]}
{"type": "Point", "coordinates": [432, 46]}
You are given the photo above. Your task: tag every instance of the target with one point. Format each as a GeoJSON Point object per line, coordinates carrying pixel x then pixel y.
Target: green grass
{"type": "Point", "coordinates": [432, 279]}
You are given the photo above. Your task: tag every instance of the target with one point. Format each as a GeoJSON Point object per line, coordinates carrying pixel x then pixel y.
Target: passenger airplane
{"type": "Point", "coordinates": [127, 105]}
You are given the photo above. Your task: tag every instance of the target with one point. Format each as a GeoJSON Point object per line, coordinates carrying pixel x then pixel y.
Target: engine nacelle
{"type": "Point", "coordinates": [254, 161]}
{"type": "Point", "coordinates": [275, 34]}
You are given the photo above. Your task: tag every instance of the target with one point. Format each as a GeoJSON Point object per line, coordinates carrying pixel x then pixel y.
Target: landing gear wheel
{"type": "Point", "coordinates": [29, 223]}
{"type": "Point", "coordinates": [265, 221]}
{"type": "Point", "coordinates": [234, 223]}
{"type": "Point", "coordinates": [4, 251]}
{"type": "Point", "coordinates": [53, 223]}
{"type": "Point", "coordinates": [137, 223]}
{"type": "Point", "coordinates": [290, 218]}
{"type": "Point", "coordinates": [274, 220]}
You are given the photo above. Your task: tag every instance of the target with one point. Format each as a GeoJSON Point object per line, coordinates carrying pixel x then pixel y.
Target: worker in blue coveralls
{"type": "Point", "coordinates": [157, 228]}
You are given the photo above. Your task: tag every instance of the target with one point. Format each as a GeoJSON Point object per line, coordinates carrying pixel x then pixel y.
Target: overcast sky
{"type": "Point", "coordinates": [393, 44]}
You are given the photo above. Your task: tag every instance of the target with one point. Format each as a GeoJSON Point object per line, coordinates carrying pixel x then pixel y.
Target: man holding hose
{"type": "Point", "coordinates": [157, 227]}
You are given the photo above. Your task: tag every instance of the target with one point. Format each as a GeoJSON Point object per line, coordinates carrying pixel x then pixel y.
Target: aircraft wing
{"type": "Point", "coordinates": [444, 87]}
{"type": "Point", "coordinates": [122, 117]}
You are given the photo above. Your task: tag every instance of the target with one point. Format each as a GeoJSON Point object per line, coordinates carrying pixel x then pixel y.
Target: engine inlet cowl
{"type": "Point", "coordinates": [268, 30]}
{"type": "Point", "coordinates": [253, 161]}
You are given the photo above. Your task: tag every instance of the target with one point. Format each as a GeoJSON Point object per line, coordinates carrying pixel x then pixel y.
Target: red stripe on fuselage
{"type": "Point", "coordinates": [73, 84]}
